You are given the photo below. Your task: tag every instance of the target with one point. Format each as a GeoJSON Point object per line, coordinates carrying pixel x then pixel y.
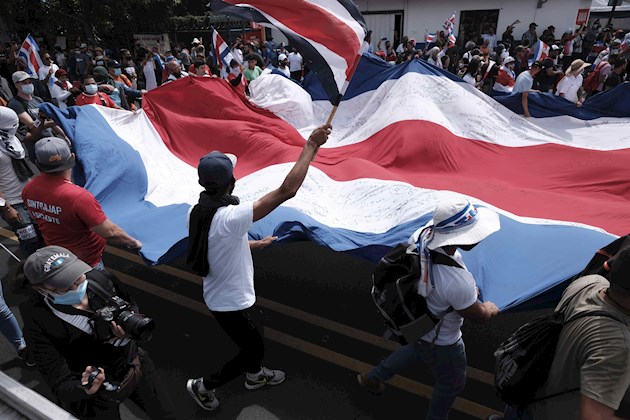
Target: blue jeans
{"type": "Point", "coordinates": [447, 364]}
{"type": "Point", "coordinates": [8, 324]}
{"type": "Point", "coordinates": [27, 232]}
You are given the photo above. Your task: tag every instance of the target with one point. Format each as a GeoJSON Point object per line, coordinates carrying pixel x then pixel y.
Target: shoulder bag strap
{"type": "Point", "coordinates": [441, 259]}
{"type": "Point", "coordinates": [438, 258]}
{"type": "Point", "coordinates": [564, 306]}
{"type": "Point", "coordinates": [103, 101]}
{"type": "Point", "coordinates": [100, 284]}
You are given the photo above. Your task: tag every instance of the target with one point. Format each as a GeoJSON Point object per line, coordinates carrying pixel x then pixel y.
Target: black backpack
{"type": "Point", "coordinates": [394, 292]}
{"type": "Point", "coordinates": [523, 361]}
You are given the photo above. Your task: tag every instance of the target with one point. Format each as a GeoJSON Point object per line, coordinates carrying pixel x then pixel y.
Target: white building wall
{"type": "Point", "coordinates": [429, 15]}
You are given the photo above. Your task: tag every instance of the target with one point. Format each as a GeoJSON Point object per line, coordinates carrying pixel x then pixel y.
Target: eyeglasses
{"type": "Point", "coordinates": [73, 286]}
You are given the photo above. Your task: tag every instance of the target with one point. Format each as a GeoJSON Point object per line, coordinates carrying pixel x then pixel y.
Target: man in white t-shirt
{"type": "Point", "coordinates": [283, 64]}
{"type": "Point", "coordinates": [46, 72]}
{"type": "Point", "coordinates": [570, 87]}
{"type": "Point", "coordinates": [295, 64]}
{"type": "Point", "coordinates": [456, 224]}
{"type": "Point", "coordinates": [219, 250]}
{"type": "Point", "coordinates": [148, 68]}
{"type": "Point", "coordinates": [524, 83]}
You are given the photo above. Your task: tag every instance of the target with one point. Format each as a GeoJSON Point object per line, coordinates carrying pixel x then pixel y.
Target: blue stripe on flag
{"type": "Point", "coordinates": [116, 176]}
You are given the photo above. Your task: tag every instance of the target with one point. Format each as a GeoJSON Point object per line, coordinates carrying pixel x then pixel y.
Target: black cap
{"type": "Point", "coordinates": [533, 24]}
{"type": "Point", "coordinates": [113, 64]}
{"type": "Point", "coordinates": [538, 64]}
{"type": "Point", "coordinates": [619, 274]}
{"type": "Point", "coordinates": [216, 169]}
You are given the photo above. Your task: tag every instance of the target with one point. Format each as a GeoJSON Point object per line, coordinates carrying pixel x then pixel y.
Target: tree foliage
{"type": "Point", "coordinates": [97, 20]}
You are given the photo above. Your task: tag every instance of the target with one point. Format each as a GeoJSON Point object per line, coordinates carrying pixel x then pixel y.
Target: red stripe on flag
{"type": "Point", "coordinates": [549, 181]}
{"type": "Point", "coordinates": [313, 23]}
{"type": "Point", "coordinates": [33, 59]}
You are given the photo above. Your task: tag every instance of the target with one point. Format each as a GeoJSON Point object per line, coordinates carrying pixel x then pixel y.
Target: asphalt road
{"type": "Point", "coordinates": [321, 328]}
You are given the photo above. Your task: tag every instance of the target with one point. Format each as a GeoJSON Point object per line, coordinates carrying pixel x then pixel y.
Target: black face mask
{"type": "Point", "coordinates": [467, 247]}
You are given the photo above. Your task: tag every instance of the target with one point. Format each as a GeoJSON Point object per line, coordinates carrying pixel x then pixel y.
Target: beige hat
{"type": "Point", "coordinates": [576, 67]}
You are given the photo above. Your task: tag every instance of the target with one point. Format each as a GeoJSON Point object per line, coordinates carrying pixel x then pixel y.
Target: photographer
{"type": "Point", "coordinates": [83, 331]}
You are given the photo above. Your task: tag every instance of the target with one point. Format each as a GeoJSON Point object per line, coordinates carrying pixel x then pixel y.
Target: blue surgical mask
{"type": "Point", "coordinates": [91, 89]}
{"type": "Point", "coordinates": [71, 297]}
{"type": "Point", "coordinates": [28, 89]}
{"type": "Point", "coordinates": [117, 72]}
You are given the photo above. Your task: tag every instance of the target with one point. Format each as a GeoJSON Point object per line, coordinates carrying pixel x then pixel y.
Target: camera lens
{"type": "Point", "coordinates": [138, 325]}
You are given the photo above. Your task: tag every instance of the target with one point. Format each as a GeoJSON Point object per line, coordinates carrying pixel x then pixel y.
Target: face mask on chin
{"type": "Point", "coordinates": [117, 72]}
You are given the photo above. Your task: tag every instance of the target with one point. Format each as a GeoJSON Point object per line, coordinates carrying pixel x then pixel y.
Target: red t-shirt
{"type": "Point", "coordinates": [98, 99]}
{"type": "Point", "coordinates": [64, 213]}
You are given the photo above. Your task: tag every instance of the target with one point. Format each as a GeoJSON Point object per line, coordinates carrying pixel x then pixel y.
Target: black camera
{"type": "Point", "coordinates": [138, 326]}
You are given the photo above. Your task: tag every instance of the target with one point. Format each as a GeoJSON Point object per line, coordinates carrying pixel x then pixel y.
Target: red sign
{"type": "Point", "coordinates": [582, 16]}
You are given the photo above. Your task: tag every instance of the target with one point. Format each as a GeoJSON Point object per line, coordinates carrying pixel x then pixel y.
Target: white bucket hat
{"type": "Point", "coordinates": [508, 60]}
{"type": "Point", "coordinates": [457, 222]}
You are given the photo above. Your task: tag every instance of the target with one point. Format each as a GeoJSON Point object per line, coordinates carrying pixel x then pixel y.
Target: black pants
{"type": "Point", "coordinates": [150, 395]}
{"type": "Point", "coordinates": [296, 75]}
{"type": "Point", "coordinates": [245, 329]}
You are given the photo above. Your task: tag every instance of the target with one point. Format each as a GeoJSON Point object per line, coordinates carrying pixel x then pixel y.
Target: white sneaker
{"type": "Point", "coordinates": [207, 401]}
{"type": "Point", "coordinates": [265, 377]}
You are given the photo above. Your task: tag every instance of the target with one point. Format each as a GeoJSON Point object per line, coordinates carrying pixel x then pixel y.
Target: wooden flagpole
{"type": "Point", "coordinates": [347, 83]}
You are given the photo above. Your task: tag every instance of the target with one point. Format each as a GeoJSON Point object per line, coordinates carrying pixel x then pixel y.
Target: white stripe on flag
{"type": "Point", "coordinates": [342, 14]}
{"type": "Point", "coordinates": [337, 63]}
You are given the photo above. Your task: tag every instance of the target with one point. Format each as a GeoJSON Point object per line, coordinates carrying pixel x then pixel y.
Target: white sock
{"type": "Point", "coordinates": [254, 375]}
{"type": "Point", "coordinates": [202, 388]}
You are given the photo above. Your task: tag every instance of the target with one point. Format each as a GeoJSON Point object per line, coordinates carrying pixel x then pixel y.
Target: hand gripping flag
{"type": "Point", "coordinates": [328, 33]}
{"type": "Point", "coordinates": [29, 51]}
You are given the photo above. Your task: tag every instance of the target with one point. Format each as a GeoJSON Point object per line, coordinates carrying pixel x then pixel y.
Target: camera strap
{"type": "Point", "coordinates": [101, 286]}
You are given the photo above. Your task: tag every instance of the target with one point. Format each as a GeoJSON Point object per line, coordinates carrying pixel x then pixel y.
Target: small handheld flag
{"type": "Point", "coordinates": [29, 51]}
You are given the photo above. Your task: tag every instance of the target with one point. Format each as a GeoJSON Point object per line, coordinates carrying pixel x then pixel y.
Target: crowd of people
{"type": "Point", "coordinates": [578, 64]}
{"type": "Point", "coordinates": [62, 229]}
{"type": "Point", "coordinates": [90, 74]}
